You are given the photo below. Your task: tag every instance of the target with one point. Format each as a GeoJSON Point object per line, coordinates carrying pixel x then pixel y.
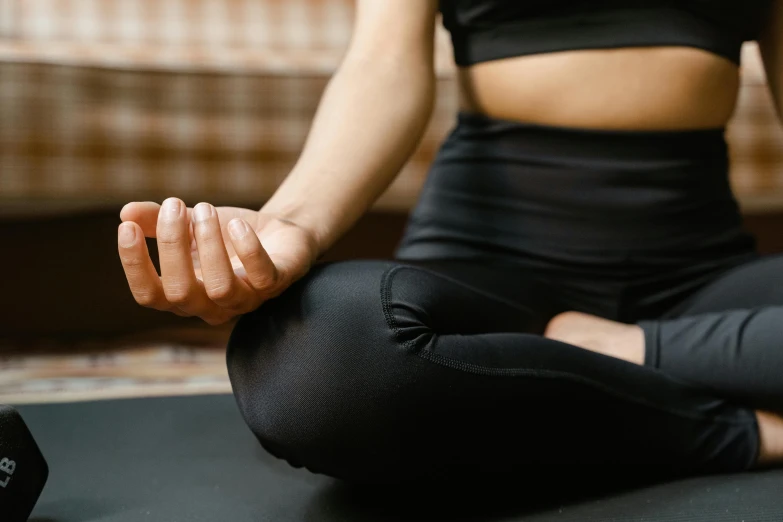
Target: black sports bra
{"type": "Point", "coordinates": [483, 30]}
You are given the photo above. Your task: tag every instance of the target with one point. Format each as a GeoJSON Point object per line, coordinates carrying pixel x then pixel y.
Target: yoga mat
{"type": "Point", "coordinates": [192, 459]}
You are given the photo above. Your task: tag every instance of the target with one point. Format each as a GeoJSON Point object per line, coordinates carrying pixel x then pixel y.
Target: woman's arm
{"type": "Point", "coordinates": [771, 46]}
{"type": "Point", "coordinates": [370, 120]}
{"type": "Point", "coordinates": [217, 263]}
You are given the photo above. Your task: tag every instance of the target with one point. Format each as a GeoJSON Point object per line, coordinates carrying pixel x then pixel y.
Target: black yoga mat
{"type": "Point", "coordinates": [192, 459]}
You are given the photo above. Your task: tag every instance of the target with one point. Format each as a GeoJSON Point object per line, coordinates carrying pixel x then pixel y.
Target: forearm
{"type": "Point", "coordinates": [370, 120]}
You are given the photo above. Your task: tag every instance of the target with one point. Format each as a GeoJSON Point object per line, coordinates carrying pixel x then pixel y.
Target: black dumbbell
{"type": "Point", "coordinates": [23, 469]}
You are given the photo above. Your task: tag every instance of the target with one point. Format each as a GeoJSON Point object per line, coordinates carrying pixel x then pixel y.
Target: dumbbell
{"type": "Point", "coordinates": [23, 469]}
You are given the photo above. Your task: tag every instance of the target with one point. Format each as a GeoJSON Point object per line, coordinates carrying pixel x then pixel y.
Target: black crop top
{"type": "Point", "coordinates": [483, 30]}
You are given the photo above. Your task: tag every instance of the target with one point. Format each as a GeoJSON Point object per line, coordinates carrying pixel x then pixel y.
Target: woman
{"type": "Point", "coordinates": [574, 291]}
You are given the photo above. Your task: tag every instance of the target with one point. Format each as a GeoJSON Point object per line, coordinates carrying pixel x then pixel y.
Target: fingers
{"type": "Point", "coordinates": [220, 294]}
{"type": "Point", "coordinates": [142, 278]}
{"type": "Point", "coordinates": [260, 270]}
{"type": "Point", "coordinates": [221, 284]}
{"type": "Point", "coordinates": [178, 278]}
{"type": "Point", "coordinates": [145, 214]}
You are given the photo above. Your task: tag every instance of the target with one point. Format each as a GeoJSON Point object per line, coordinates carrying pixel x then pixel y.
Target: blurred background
{"type": "Point", "coordinates": [103, 102]}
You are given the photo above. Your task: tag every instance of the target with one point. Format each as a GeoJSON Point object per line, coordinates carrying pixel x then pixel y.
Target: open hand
{"type": "Point", "coordinates": [215, 262]}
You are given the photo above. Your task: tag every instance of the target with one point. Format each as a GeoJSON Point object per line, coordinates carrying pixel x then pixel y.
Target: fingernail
{"type": "Point", "coordinates": [171, 208]}
{"type": "Point", "coordinates": [202, 212]}
{"type": "Point", "coordinates": [237, 228]}
{"type": "Point", "coordinates": [127, 235]}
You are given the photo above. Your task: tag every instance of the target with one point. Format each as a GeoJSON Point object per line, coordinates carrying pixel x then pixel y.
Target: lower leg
{"type": "Point", "coordinates": [626, 341]}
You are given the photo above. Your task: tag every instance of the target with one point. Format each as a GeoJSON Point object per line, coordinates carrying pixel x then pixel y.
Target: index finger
{"type": "Point", "coordinates": [143, 279]}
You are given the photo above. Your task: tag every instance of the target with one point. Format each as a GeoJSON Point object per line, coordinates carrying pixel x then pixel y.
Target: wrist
{"type": "Point", "coordinates": [314, 238]}
{"type": "Point", "coordinates": [324, 212]}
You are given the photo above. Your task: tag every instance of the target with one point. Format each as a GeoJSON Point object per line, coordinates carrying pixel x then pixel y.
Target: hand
{"type": "Point", "coordinates": [215, 262]}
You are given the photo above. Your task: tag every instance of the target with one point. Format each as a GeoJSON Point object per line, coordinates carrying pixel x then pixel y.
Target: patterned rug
{"type": "Point", "coordinates": [167, 362]}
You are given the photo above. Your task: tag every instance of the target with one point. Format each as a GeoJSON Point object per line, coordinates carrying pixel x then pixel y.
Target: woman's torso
{"type": "Point", "coordinates": [633, 89]}
{"type": "Point", "coordinates": [635, 64]}
{"type": "Point", "coordinates": [589, 163]}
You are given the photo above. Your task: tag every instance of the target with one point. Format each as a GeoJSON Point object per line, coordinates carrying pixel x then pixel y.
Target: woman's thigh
{"type": "Point", "coordinates": [384, 371]}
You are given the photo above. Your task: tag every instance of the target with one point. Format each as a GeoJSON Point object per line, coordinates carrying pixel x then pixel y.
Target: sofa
{"type": "Point", "coordinates": [106, 101]}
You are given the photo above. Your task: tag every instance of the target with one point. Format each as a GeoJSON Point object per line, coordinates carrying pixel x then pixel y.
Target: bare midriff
{"type": "Point", "coordinates": [650, 88]}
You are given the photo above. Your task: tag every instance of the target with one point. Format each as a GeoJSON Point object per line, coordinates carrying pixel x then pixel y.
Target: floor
{"type": "Point", "coordinates": [162, 362]}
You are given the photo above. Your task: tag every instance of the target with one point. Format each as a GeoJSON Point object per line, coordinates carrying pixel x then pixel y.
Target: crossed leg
{"type": "Point", "coordinates": [727, 338]}
{"type": "Point", "coordinates": [382, 371]}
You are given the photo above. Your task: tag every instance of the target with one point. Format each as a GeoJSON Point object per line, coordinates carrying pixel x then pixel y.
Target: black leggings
{"type": "Point", "coordinates": [389, 371]}
{"type": "Point", "coordinates": [433, 367]}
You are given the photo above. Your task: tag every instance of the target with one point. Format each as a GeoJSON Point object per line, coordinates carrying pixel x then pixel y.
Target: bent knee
{"type": "Point", "coordinates": [306, 366]}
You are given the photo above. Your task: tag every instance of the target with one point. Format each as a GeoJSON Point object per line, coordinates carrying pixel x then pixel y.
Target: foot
{"type": "Point", "coordinates": [770, 439]}
{"type": "Point", "coordinates": [624, 341]}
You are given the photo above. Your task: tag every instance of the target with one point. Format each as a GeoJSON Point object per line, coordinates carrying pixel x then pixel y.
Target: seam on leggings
{"type": "Point", "coordinates": [386, 303]}
{"type": "Point", "coordinates": [391, 272]}
{"type": "Point", "coordinates": [555, 374]}
{"type": "Point", "coordinates": [386, 298]}
{"type": "Point", "coordinates": [386, 281]}
{"type": "Point", "coordinates": [410, 346]}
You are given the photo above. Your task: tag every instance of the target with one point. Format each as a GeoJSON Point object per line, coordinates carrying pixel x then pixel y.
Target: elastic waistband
{"type": "Point", "coordinates": [531, 140]}
{"type": "Point", "coordinates": [526, 188]}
